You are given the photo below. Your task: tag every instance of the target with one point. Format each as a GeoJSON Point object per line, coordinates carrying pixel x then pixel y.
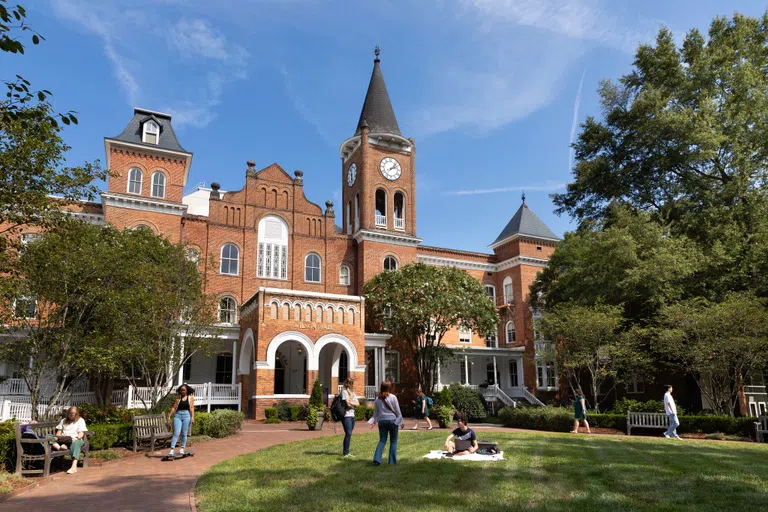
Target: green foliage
{"type": "Point", "coordinates": [295, 412]}
{"type": "Point", "coordinates": [272, 413]}
{"type": "Point", "coordinates": [283, 411]}
{"type": "Point", "coordinates": [444, 399]}
{"type": "Point", "coordinates": [443, 414]}
{"type": "Point", "coordinates": [316, 398]}
{"type": "Point", "coordinates": [272, 420]}
{"type": "Point", "coordinates": [623, 405]}
{"type": "Point", "coordinates": [552, 419]}
{"type": "Point", "coordinates": [7, 445]}
{"type": "Point", "coordinates": [164, 405]}
{"type": "Point", "coordinates": [106, 455]}
{"type": "Point", "coordinates": [419, 303]}
{"type": "Point", "coordinates": [363, 413]}
{"type": "Point", "coordinates": [107, 435]}
{"type": "Point", "coordinates": [223, 423]}
{"type": "Point", "coordinates": [200, 426]}
{"type": "Point", "coordinates": [312, 417]}
{"type": "Point", "coordinates": [614, 421]}
{"type": "Point", "coordinates": [726, 424]}
{"type": "Point", "coordinates": [106, 414]}
{"type": "Point", "coordinates": [468, 401]}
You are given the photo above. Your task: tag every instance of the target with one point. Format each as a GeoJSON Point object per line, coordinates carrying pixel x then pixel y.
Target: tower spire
{"type": "Point", "coordinates": [377, 109]}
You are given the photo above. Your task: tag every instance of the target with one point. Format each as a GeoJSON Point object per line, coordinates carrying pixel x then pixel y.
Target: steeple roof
{"type": "Point", "coordinates": [377, 110]}
{"type": "Point", "coordinates": [525, 223]}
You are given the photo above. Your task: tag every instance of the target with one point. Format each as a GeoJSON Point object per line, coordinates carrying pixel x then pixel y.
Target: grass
{"type": "Point", "coordinates": [9, 482]}
{"type": "Point", "coordinates": [106, 455]}
{"type": "Point", "coordinates": [543, 471]}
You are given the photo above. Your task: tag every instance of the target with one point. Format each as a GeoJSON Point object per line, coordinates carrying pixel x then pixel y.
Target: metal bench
{"type": "Point", "coordinates": [33, 450]}
{"type": "Point", "coordinates": [646, 420]}
{"type": "Point", "coordinates": [150, 426]}
{"type": "Point", "coordinates": [761, 428]}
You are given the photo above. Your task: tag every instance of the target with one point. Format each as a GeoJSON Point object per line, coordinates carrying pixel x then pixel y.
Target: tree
{"type": "Point", "coordinates": [683, 137]}
{"type": "Point", "coordinates": [589, 348]}
{"type": "Point", "coordinates": [625, 260]}
{"type": "Point", "coordinates": [721, 345]}
{"type": "Point", "coordinates": [420, 303]}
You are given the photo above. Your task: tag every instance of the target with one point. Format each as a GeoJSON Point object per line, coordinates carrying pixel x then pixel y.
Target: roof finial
{"type": "Point", "coordinates": [523, 196]}
{"type": "Point", "coordinates": [376, 52]}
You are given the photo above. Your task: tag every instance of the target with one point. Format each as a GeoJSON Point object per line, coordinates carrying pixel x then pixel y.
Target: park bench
{"type": "Point", "coordinates": [33, 450]}
{"type": "Point", "coordinates": [153, 427]}
{"type": "Point", "coordinates": [761, 428]}
{"type": "Point", "coordinates": [646, 420]}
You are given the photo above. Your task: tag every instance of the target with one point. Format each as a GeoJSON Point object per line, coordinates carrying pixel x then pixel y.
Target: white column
{"type": "Point", "coordinates": [466, 370]}
{"type": "Point", "coordinates": [438, 375]}
{"type": "Point", "coordinates": [208, 393]}
{"type": "Point", "coordinates": [382, 364]}
{"type": "Point", "coordinates": [376, 375]}
{"type": "Point", "coordinates": [234, 362]}
{"type": "Point", "coordinates": [495, 372]}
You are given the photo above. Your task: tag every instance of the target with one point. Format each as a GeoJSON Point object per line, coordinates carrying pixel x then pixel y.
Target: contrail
{"type": "Point", "coordinates": [575, 123]}
{"type": "Point", "coordinates": [545, 188]}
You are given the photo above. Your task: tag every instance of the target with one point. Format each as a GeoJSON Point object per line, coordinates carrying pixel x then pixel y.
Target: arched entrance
{"type": "Point", "coordinates": [291, 359]}
{"type": "Point", "coordinates": [337, 360]}
{"type": "Point", "coordinates": [245, 369]}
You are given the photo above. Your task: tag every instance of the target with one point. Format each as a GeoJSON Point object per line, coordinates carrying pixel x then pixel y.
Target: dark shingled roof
{"type": "Point", "coordinates": [132, 133]}
{"type": "Point", "coordinates": [377, 109]}
{"type": "Point", "coordinates": [525, 222]}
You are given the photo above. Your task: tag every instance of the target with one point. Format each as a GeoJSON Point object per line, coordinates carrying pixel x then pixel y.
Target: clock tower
{"type": "Point", "coordinates": [379, 183]}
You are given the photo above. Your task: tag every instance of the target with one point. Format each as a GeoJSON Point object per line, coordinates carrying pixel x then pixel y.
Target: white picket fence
{"type": "Point", "coordinates": [21, 411]}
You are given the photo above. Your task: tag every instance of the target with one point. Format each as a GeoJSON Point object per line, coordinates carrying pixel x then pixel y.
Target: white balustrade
{"type": "Point", "coordinates": [399, 224]}
{"type": "Point", "coordinates": [381, 221]}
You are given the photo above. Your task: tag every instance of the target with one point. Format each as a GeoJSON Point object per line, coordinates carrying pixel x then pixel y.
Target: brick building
{"type": "Point", "coordinates": [289, 273]}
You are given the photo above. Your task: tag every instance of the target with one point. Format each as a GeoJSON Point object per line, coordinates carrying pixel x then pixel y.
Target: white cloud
{"type": "Point", "coordinates": [547, 187]}
{"type": "Point", "coordinates": [142, 58]}
{"type": "Point", "coordinates": [575, 122]}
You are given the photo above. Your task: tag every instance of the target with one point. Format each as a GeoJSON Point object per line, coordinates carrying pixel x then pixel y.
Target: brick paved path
{"type": "Point", "coordinates": [147, 484]}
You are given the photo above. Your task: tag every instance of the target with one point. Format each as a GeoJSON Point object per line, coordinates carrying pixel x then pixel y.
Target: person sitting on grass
{"type": "Point", "coordinates": [463, 440]}
{"type": "Point", "coordinates": [72, 426]}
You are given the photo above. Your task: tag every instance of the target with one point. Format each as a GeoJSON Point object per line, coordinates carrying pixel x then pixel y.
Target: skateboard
{"type": "Point", "coordinates": [178, 456]}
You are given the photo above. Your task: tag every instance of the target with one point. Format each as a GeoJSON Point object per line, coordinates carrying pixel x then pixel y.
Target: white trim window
{"type": "Point", "coordinates": [151, 133]}
{"type": "Point", "coordinates": [25, 308]}
{"type": "Point", "coordinates": [344, 275]}
{"type": "Point", "coordinates": [390, 263]}
{"type": "Point", "coordinates": [399, 211]}
{"type": "Point", "coordinates": [635, 386]}
{"type": "Point", "coordinates": [463, 369]}
{"type": "Point", "coordinates": [514, 380]}
{"type": "Point", "coordinates": [465, 335]}
{"type": "Point", "coordinates": [158, 184]}
{"type": "Point", "coordinates": [392, 366]}
{"type": "Point", "coordinates": [272, 258]}
{"type": "Point", "coordinates": [230, 259]}
{"type": "Point", "coordinates": [227, 310]}
{"type": "Point", "coordinates": [546, 371]}
{"type": "Point", "coordinates": [135, 177]}
{"type": "Point", "coordinates": [492, 340]}
{"type": "Point", "coordinates": [312, 268]}
{"type": "Point", "coordinates": [223, 368]}
{"type": "Point", "coordinates": [510, 329]}
{"type": "Point", "coordinates": [490, 291]}
{"type": "Point", "coordinates": [508, 293]}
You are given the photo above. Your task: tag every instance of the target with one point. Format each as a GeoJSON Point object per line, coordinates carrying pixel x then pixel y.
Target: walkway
{"type": "Point", "coordinates": [147, 484]}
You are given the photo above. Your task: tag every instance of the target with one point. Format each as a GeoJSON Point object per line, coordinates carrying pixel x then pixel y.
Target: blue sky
{"type": "Point", "coordinates": [490, 89]}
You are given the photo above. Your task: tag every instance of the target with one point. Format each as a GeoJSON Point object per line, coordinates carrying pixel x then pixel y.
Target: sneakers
{"type": "Point", "coordinates": [170, 453]}
{"type": "Point", "coordinates": [666, 435]}
{"type": "Point", "coordinates": [376, 463]}
{"type": "Point", "coordinates": [181, 452]}
{"type": "Point", "coordinates": [72, 470]}
{"type": "Point", "coordinates": [349, 455]}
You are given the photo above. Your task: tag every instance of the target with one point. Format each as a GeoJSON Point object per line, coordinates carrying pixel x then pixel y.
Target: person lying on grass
{"type": "Point", "coordinates": [465, 438]}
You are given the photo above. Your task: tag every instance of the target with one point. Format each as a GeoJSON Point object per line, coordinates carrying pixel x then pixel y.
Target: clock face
{"type": "Point", "coordinates": [351, 174]}
{"type": "Point", "coordinates": [390, 169]}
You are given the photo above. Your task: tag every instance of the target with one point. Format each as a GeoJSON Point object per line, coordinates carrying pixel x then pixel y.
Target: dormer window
{"type": "Point", "coordinates": [151, 132]}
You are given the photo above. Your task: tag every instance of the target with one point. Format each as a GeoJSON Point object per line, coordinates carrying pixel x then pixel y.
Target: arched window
{"type": "Point", "coordinates": [158, 184]}
{"type": "Point", "coordinates": [399, 211]}
{"type": "Point", "coordinates": [227, 310]}
{"type": "Point", "coordinates": [357, 212]}
{"type": "Point", "coordinates": [151, 133]}
{"type": "Point", "coordinates": [272, 258]}
{"type": "Point", "coordinates": [135, 176]}
{"type": "Point", "coordinates": [508, 296]}
{"type": "Point", "coordinates": [511, 338]}
{"type": "Point", "coordinates": [390, 263]}
{"type": "Point", "coordinates": [381, 208]}
{"type": "Point", "coordinates": [344, 273]}
{"type": "Point", "coordinates": [349, 217]}
{"type": "Point", "coordinates": [230, 259]}
{"type": "Point", "coordinates": [312, 268]}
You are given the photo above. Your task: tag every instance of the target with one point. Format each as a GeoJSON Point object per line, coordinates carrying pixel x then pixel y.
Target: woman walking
{"type": "Point", "coordinates": [351, 402]}
{"type": "Point", "coordinates": [387, 415]}
{"type": "Point", "coordinates": [422, 409]}
{"type": "Point", "coordinates": [579, 412]}
{"type": "Point", "coordinates": [183, 414]}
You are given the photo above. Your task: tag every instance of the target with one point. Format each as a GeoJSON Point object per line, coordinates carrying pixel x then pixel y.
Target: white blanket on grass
{"type": "Point", "coordinates": [439, 454]}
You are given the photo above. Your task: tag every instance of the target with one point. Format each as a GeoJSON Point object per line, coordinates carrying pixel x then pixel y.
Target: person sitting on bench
{"type": "Point", "coordinates": [463, 439]}
{"type": "Point", "coordinates": [71, 429]}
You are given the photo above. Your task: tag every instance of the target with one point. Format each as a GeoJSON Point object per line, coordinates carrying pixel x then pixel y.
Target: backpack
{"type": "Point", "coordinates": [430, 402]}
{"type": "Point", "coordinates": [338, 408]}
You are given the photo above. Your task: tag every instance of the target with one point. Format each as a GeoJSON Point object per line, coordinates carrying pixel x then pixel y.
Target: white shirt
{"type": "Point", "coordinates": [72, 429]}
{"type": "Point", "coordinates": [669, 404]}
{"type": "Point", "coordinates": [351, 397]}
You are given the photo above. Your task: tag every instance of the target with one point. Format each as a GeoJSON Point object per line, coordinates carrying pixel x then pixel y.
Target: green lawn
{"type": "Point", "coordinates": [543, 471]}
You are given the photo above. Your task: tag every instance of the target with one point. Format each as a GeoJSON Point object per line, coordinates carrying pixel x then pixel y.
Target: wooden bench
{"type": "Point", "coordinates": [761, 428]}
{"type": "Point", "coordinates": [150, 426]}
{"type": "Point", "coordinates": [646, 420]}
{"type": "Point", "coordinates": [32, 450]}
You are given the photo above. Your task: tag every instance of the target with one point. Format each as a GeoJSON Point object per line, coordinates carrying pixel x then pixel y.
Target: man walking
{"type": "Point", "coordinates": [671, 410]}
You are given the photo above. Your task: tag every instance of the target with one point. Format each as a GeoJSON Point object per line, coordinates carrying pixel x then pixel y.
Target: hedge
{"type": "Point", "coordinates": [107, 435]}
{"type": "Point", "coordinates": [551, 419]}
{"type": "Point", "coordinates": [272, 413]}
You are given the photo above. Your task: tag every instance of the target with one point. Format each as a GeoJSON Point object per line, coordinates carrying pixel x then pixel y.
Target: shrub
{"type": "Point", "coordinates": [223, 423]}
{"type": "Point", "coordinates": [316, 398]}
{"type": "Point", "coordinates": [201, 423]}
{"type": "Point", "coordinates": [624, 405]}
{"type": "Point", "coordinates": [468, 401]}
{"type": "Point", "coordinates": [272, 413]}
{"type": "Point", "coordinates": [444, 398]}
{"type": "Point", "coordinates": [294, 412]}
{"type": "Point", "coordinates": [312, 417]}
{"type": "Point", "coordinates": [164, 405]}
{"type": "Point", "coordinates": [272, 420]}
{"type": "Point", "coordinates": [303, 412]}
{"type": "Point", "coordinates": [710, 424]}
{"type": "Point", "coordinates": [107, 435]}
{"type": "Point", "coordinates": [443, 414]}
{"type": "Point", "coordinates": [284, 411]}
{"type": "Point", "coordinates": [363, 413]}
{"type": "Point", "coordinates": [552, 419]}
{"type": "Point", "coordinates": [93, 413]}
{"type": "Point", "coordinates": [7, 445]}
{"type": "Point", "coordinates": [614, 421]}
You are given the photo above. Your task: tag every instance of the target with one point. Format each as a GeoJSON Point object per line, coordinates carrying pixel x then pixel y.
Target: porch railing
{"type": "Point", "coordinates": [399, 224]}
{"type": "Point", "coordinates": [21, 411]}
{"type": "Point", "coordinates": [381, 221]}
{"type": "Point", "coordinates": [370, 392]}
